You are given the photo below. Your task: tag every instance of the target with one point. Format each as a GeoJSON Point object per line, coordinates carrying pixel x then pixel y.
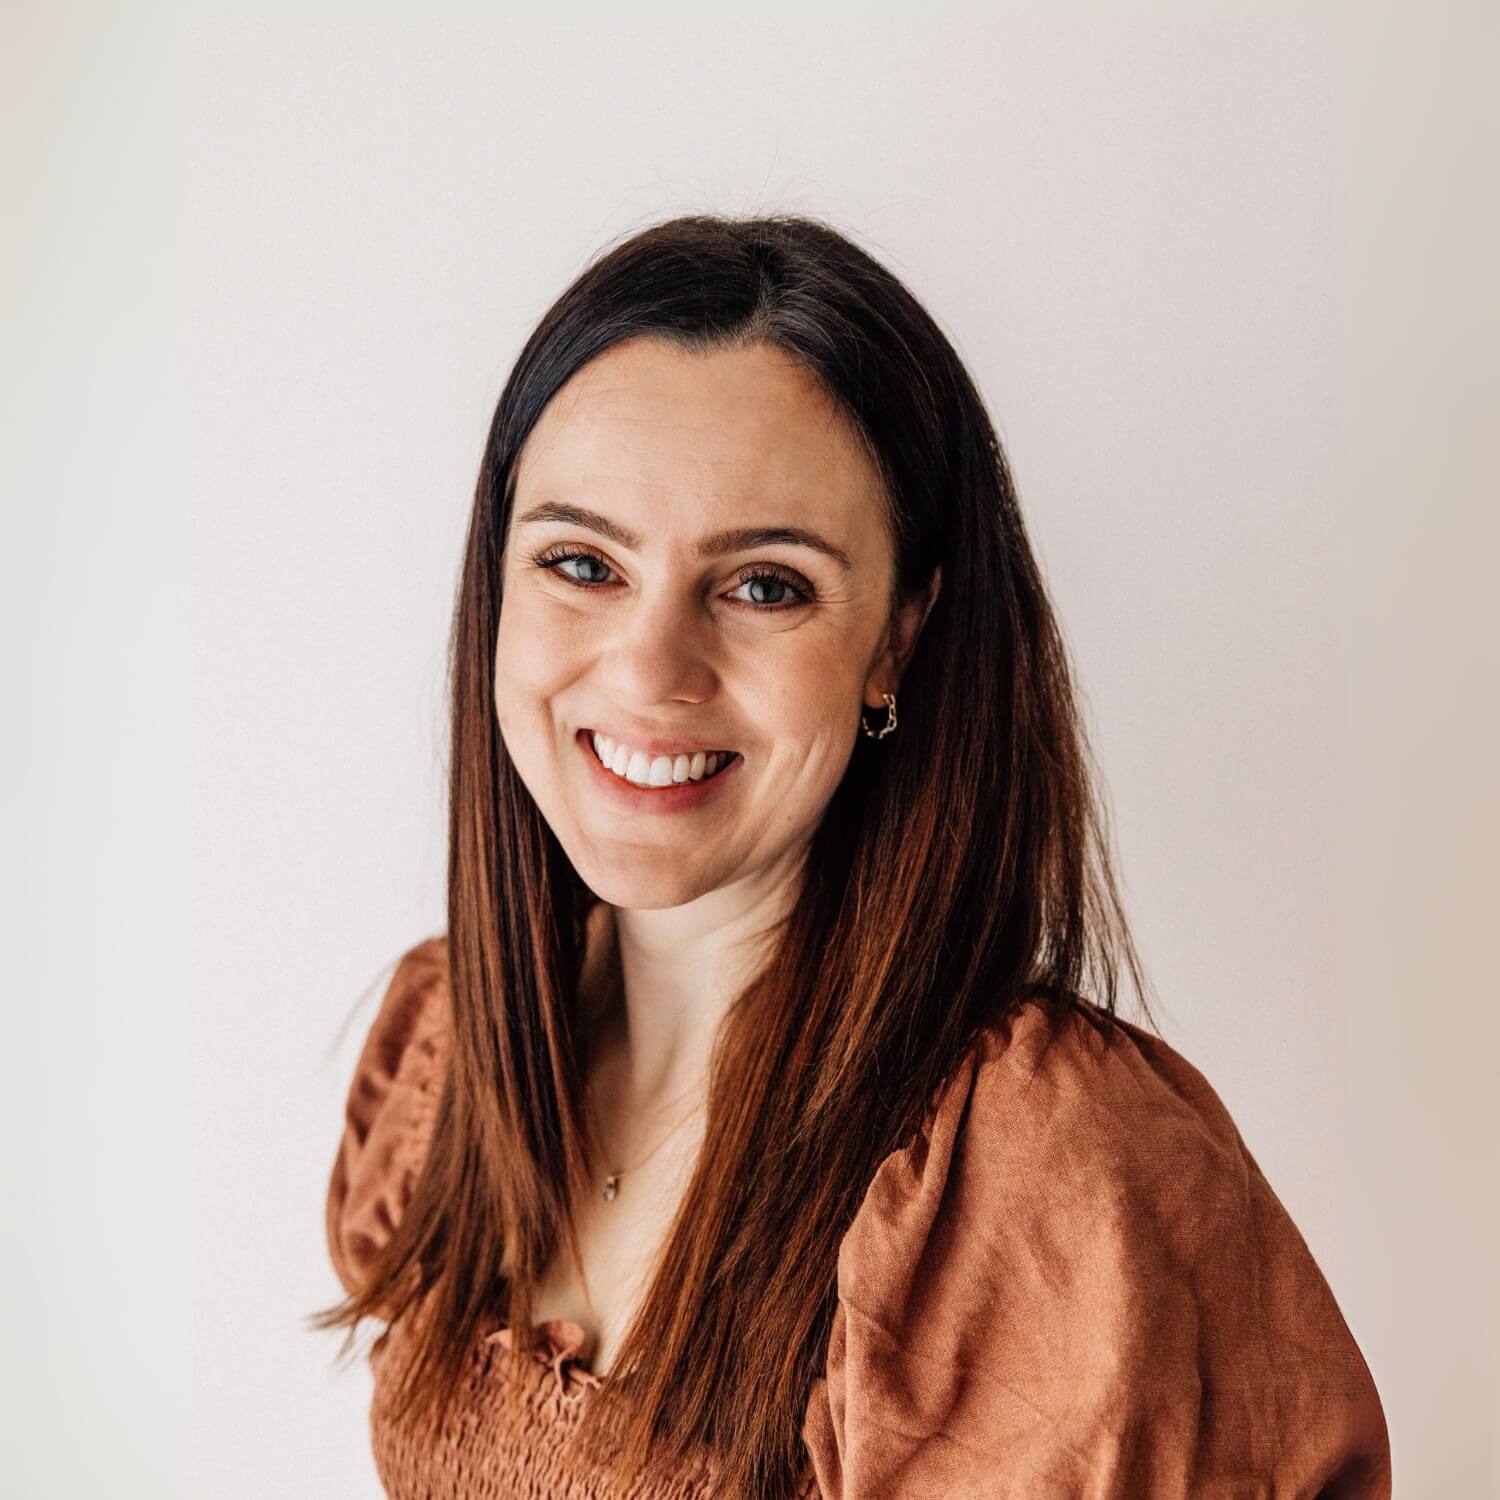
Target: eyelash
{"type": "Point", "coordinates": [550, 557]}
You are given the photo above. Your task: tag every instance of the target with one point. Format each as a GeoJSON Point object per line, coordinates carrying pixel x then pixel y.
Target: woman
{"type": "Point", "coordinates": [762, 1124]}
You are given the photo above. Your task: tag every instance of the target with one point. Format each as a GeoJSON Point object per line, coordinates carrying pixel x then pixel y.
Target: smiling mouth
{"type": "Point", "coordinates": [651, 772]}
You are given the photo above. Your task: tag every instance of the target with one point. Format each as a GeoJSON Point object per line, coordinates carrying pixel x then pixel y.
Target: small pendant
{"type": "Point", "coordinates": [609, 1184]}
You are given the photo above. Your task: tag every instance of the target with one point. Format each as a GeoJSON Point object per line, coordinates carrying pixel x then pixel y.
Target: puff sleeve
{"type": "Point", "coordinates": [390, 1110]}
{"type": "Point", "coordinates": [1076, 1282]}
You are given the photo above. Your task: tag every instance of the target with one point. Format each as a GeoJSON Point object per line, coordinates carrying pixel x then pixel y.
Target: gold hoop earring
{"type": "Point", "coordinates": [890, 718]}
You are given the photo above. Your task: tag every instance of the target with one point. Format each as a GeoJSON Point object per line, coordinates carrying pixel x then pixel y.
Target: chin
{"type": "Point", "coordinates": [645, 883]}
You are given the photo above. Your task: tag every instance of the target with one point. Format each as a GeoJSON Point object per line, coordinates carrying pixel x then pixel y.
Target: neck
{"type": "Point", "coordinates": [664, 980]}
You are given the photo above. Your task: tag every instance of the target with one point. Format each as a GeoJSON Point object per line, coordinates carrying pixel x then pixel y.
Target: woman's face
{"type": "Point", "coordinates": [652, 627]}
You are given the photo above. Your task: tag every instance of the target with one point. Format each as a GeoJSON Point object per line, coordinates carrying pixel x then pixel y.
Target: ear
{"type": "Point", "coordinates": [901, 639]}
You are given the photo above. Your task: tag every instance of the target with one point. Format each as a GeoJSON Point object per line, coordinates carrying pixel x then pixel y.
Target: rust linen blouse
{"type": "Point", "coordinates": [1074, 1283]}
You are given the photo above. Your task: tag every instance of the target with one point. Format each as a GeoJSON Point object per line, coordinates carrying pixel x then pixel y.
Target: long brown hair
{"type": "Point", "coordinates": [961, 865]}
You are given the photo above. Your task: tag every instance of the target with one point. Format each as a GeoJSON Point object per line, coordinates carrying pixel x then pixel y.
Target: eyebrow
{"type": "Point", "coordinates": [715, 544]}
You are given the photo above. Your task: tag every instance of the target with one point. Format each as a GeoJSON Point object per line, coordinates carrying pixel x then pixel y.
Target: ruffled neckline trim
{"type": "Point", "coordinates": [562, 1345]}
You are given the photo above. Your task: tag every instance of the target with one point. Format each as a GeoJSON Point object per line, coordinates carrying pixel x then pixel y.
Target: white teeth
{"type": "Point", "coordinates": [661, 770]}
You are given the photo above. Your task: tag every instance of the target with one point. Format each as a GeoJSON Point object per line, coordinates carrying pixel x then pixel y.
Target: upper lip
{"type": "Point", "coordinates": [649, 744]}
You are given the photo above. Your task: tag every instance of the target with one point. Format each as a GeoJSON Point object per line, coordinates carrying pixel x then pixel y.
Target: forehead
{"type": "Point", "coordinates": [746, 431]}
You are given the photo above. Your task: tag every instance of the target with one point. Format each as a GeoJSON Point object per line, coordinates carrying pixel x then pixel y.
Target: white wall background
{"type": "Point", "coordinates": [1226, 276]}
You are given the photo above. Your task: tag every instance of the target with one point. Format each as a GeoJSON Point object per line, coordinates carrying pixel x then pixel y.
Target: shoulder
{"type": "Point", "coordinates": [1078, 1269]}
{"type": "Point", "coordinates": [1108, 1131]}
{"type": "Point", "coordinates": [1049, 1120]}
{"type": "Point", "coordinates": [390, 1106]}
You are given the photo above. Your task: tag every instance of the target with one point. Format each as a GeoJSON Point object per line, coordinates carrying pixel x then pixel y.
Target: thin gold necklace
{"type": "Point", "coordinates": [612, 1179]}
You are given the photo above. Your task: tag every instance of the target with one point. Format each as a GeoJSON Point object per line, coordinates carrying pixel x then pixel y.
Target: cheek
{"type": "Point", "coordinates": [813, 740]}
{"type": "Point", "coordinates": [810, 699]}
{"type": "Point", "coordinates": [535, 623]}
{"type": "Point", "coordinates": [524, 668]}
{"type": "Point", "coordinates": [520, 685]}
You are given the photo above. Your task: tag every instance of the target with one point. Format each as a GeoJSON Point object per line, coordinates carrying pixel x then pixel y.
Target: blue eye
{"type": "Point", "coordinates": [766, 574]}
{"type": "Point", "coordinates": [556, 562]}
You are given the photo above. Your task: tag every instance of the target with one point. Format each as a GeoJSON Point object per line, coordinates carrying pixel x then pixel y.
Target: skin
{"type": "Point", "coordinates": [670, 446]}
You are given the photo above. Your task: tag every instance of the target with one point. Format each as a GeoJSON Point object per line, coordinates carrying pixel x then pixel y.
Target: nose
{"type": "Point", "coordinates": [657, 649]}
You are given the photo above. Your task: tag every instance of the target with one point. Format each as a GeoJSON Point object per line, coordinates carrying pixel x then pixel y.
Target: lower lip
{"type": "Point", "coordinates": [681, 796]}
